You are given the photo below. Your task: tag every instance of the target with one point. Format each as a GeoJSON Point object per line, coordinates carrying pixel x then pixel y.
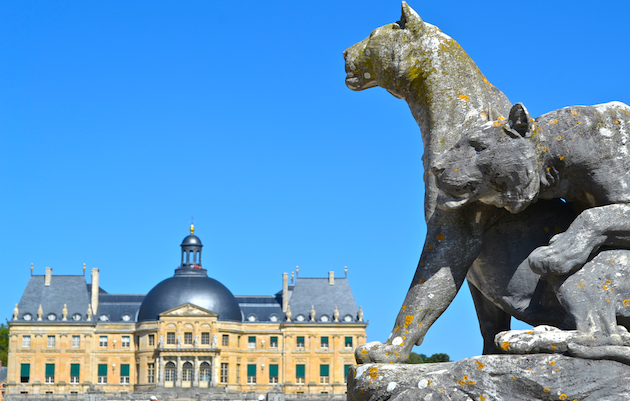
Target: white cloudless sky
{"type": "Point", "coordinates": [121, 120]}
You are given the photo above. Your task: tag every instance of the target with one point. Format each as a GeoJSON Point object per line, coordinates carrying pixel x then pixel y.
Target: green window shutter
{"type": "Point", "coordinates": [324, 340]}
{"type": "Point", "coordinates": [124, 370]}
{"type": "Point", "coordinates": [300, 340]}
{"type": "Point", "coordinates": [252, 339]}
{"type": "Point", "coordinates": [251, 370]}
{"type": "Point", "coordinates": [349, 341]}
{"type": "Point", "coordinates": [274, 339]}
{"type": "Point", "coordinates": [50, 369]}
{"type": "Point", "coordinates": [75, 369]}
{"type": "Point", "coordinates": [273, 370]}
{"type": "Point", "coordinates": [299, 371]}
{"type": "Point", "coordinates": [25, 370]}
{"type": "Point", "coordinates": [323, 370]}
{"type": "Point", "coordinates": [102, 370]}
{"type": "Point", "coordinates": [346, 369]}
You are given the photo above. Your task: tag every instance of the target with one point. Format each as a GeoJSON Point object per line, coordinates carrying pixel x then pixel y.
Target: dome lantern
{"type": "Point", "coordinates": [191, 251]}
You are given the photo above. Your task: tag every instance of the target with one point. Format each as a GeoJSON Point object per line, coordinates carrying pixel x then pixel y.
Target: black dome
{"type": "Point", "coordinates": [192, 239]}
{"type": "Point", "coordinates": [193, 287]}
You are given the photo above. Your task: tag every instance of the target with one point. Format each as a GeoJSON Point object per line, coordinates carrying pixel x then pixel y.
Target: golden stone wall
{"type": "Point", "coordinates": [187, 334]}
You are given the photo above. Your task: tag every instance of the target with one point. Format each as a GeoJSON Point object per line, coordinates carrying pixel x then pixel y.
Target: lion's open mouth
{"type": "Point", "coordinates": [447, 201]}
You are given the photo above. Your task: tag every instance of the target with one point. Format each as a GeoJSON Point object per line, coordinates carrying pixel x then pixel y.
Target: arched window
{"type": "Point", "coordinates": [187, 372]}
{"type": "Point", "coordinates": [170, 372]}
{"type": "Point", "coordinates": [198, 257]}
{"type": "Point", "coordinates": [204, 372]}
{"type": "Point", "coordinates": [191, 257]}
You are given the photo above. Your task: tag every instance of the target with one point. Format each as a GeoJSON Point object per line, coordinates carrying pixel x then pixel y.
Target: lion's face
{"type": "Point", "coordinates": [493, 164]}
{"type": "Point", "coordinates": [368, 59]}
{"type": "Point", "coordinates": [375, 61]}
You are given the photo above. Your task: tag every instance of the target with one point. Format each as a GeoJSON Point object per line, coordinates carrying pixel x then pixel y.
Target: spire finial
{"type": "Point", "coordinates": [297, 271]}
{"type": "Point", "coordinates": [345, 270]}
{"type": "Point", "coordinates": [84, 269]}
{"type": "Point", "coordinates": [31, 269]}
{"type": "Point", "coordinates": [192, 229]}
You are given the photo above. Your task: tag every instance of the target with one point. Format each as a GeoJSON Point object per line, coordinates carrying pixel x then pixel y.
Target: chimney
{"type": "Point", "coordinates": [285, 291]}
{"type": "Point", "coordinates": [331, 278]}
{"type": "Point", "coordinates": [48, 276]}
{"type": "Point", "coordinates": [95, 290]}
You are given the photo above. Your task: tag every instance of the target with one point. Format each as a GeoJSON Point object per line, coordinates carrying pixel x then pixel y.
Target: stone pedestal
{"type": "Point", "coordinates": [493, 378]}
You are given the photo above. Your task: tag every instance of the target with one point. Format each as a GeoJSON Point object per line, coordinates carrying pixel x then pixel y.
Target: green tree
{"type": "Point", "coordinates": [438, 358]}
{"type": "Point", "coordinates": [416, 358]}
{"type": "Point", "coordinates": [4, 343]}
{"type": "Point", "coordinates": [422, 358]}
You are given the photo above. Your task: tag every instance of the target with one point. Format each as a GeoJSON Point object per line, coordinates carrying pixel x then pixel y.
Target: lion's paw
{"type": "Point", "coordinates": [377, 352]}
{"type": "Point", "coordinates": [554, 259]}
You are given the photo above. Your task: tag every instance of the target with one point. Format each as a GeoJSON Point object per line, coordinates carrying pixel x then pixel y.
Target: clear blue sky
{"type": "Point", "coordinates": [120, 120]}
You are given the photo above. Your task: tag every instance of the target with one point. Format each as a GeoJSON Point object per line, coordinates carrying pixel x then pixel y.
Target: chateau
{"type": "Point", "coordinates": [189, 331]}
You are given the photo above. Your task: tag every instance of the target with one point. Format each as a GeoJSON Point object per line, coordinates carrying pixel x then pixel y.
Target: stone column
{"type": "Point", "coordinates": [196, 372]}
{"type": "Point", "coordinates": [160, 366]}
{"type": "Point", "coordinates": [213, 372]}
{"type": "Point", "coordinates": [178, 379]}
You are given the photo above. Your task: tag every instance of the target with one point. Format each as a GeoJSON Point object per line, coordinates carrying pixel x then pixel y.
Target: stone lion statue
{"type": "Point", "coordinates": [488, 246]}
{"type": "Point", "coordinates": [578, 154]}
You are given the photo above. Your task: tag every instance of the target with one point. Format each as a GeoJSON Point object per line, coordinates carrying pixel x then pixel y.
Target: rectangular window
{"type": "Point", "coordinates": [124, 373]}
{"type": "Point", "coordinates": [324, 342]}
{"type": "Point", "coordinates": [170, 338]}
{"type": "Point", "coordinates": [300, 374]}
{"type": "Point", "coordinates": [205, 338]}
{"type": "Point", "coordinates": [238, 373]}
{"type": "Point", "coordinates": [51, 342]}
{"type": "Point", "coordinates": [102, 374]}
{"type": "Point", "coordinates": [225, 341]}
{"type": "Point", "coordinates": [102, 342]}
{"type": "Point", "coordinates": [151, 373]}
{"type": "Point", "coordinates": [224, 372]}
{"type": "Point", "coordinates": [273, 374]}
{"type": "Point", "coordinates": [188, 338]}
{"type": "Point", "coordinates": [346, 369]}
{"type": "Point", "coordinates": [25, 372]}
{"type": "Point", "coordinates": [26, 341]}
{"type": "Point", "coordinates": [76, 341]}
{"type": "Point", "coordinates": [151, 340]}
{"type": "Point", "coordinates": [300, 342]}
{"type": "Point", "coordinates": [348, 342]}
{"type": "Point", "coordinates": [75, 369]}
{"type": "Point", "coordinates": [251, 342]}
{"type": "Point", "coordinates": [273, 342]}
{"type": "Point", "coordinates": [324, 372]}
{"type": "Point", "coordinates": [126, 341]}
{"type": "Point", "coordinates": [50, 373]}
{"type": "Point", "coordinates": [251, 373]}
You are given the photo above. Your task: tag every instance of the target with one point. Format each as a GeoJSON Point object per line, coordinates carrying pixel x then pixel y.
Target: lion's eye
{"type": "Point", "coordinates": [478, 146]}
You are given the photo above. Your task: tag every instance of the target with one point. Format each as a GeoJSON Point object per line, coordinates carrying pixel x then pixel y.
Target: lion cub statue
{"type": "Point", "coordinates": [580, 154]}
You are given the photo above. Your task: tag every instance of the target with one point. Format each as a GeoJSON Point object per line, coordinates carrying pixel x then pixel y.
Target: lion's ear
{"type": "Point", "coordinates": [520, 122]}
{"type": "Point", "coordinates": [409, 18]}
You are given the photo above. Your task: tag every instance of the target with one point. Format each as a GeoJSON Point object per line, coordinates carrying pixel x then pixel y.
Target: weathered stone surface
{"type": "Point", "coordinates": [493, 378]}
{"type": "Point", "coordinates": [488, 246]}
{"type": "Point", "coordinates": [577, 154]}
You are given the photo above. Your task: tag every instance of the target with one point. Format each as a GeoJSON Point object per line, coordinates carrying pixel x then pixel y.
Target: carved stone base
{"type": "Point", "coordinates": [492, 378]}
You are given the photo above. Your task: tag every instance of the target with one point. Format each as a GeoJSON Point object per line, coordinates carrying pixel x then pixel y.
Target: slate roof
{"type": "Point", "coordinates": [119, 307]}
{"type": "Point", "coordinates": [324, 296]}
{"type": "Point", "coordinates": [70, 290]}
{"type": "Point", "coordinates": [3, 374]}
{"type": "Point", "coordinates": [261, 308]}
{"type": "Point", "coordinates": [76, 294]}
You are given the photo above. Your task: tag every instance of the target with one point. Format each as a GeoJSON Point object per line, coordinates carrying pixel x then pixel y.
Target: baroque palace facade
{"type": "Point", "coordinates": [189, 331]}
